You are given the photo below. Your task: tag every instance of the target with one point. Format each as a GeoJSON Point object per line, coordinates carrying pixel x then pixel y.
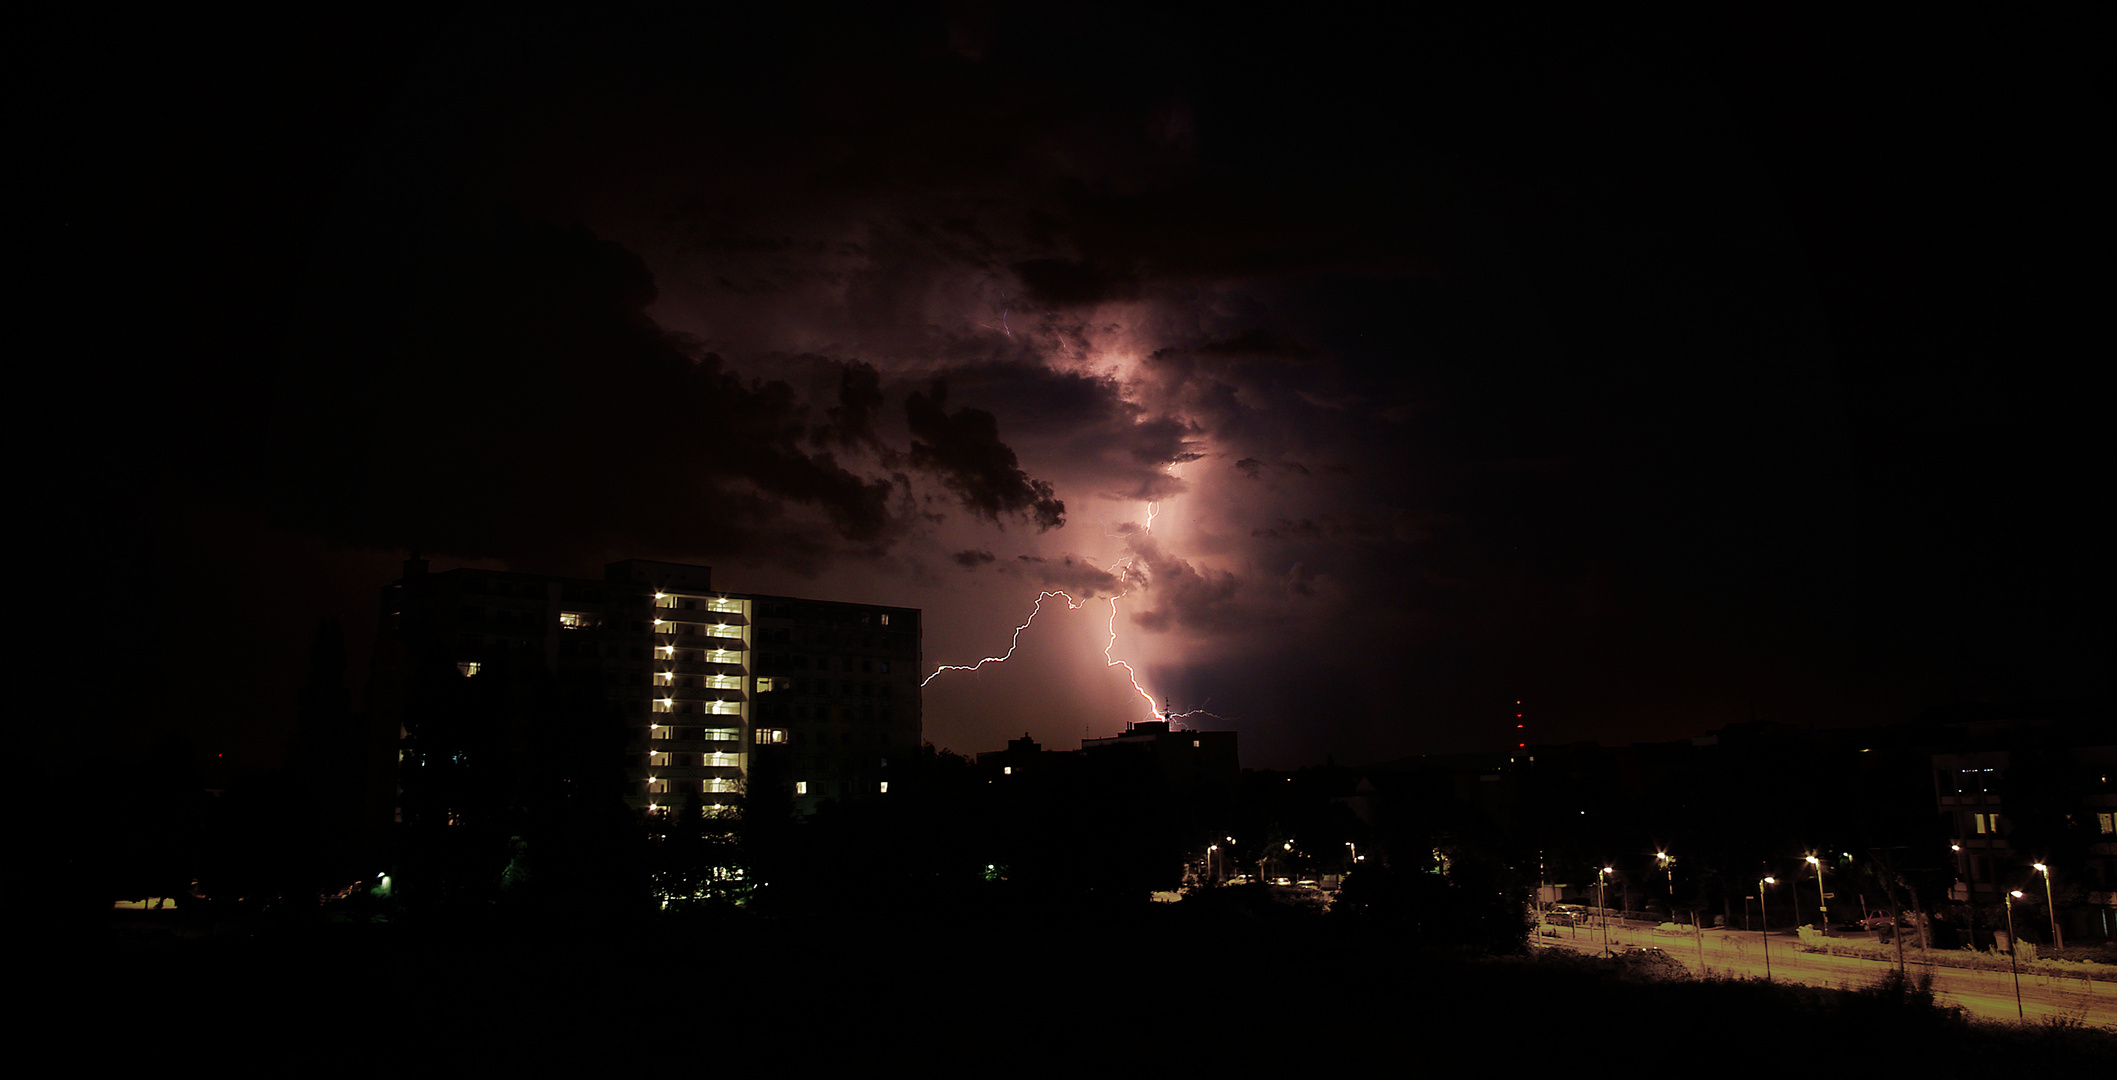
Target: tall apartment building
{"type": "Point", "coordinates": [649, 680]}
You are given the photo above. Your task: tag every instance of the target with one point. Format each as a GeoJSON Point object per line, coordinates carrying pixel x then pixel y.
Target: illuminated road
{"type": "Point", "coordinates": [1984, 994]}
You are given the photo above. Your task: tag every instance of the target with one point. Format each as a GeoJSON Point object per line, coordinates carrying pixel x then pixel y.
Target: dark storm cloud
{"type": "Point", "coordinates": [972, 559]}
{"type": "Point", "coordinates": [1165, 440]}
{"type": "Point", "coordinates": [1068, 283]}
{"type": "Point", "coordinates": [489, 384]}
{"type": "Point", "coordinates": [964, 450]}
{"type": "Point", "coordinates": [1122, 447]}
{"type": "Point", "coordinates": [852, 420]}
{"type": "Point", "coordinates": [1077, 576]}
{"type": "Point", "coordinates": [1341, 527]}
{"type": "Point", "coordinates": [1258, 343]}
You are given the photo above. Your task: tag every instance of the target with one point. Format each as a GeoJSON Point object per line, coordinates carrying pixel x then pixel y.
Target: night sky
{"type": "Point", "coordinates": [1658, 374]}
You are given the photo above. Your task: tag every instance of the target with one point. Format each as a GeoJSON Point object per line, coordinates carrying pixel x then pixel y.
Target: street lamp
{"type": "Point", "coordinates": [1822, 898]}
{"type": "Point", "coordinates": [1764, 924]}
{"type": "Point", "coordinates": [2057, 942]}
{"type": "Point", "coordinates": [1601, 903]}
{"type": "Point", "coordinates": [2008, 900]}
{"type": "Point", "coordinates": [1668, 866]}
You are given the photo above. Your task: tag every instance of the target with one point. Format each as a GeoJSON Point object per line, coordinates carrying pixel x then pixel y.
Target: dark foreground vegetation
{"type": "Point", "coordinates": [1240, 978]}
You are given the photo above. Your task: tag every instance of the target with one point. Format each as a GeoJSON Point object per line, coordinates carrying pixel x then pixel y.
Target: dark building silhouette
{"type": "Point", "coordinates": [1195, 768]}
{"type": "Point", "coordinates": [2009, 810]}
{"type": "Point", "coordinates": [1129, 808]}
{"type": "Point", "coordinates": [649, 684]}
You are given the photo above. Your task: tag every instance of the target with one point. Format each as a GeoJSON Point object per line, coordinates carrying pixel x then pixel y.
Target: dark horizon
{"type": "Point", "coordinates": [1659, 373]}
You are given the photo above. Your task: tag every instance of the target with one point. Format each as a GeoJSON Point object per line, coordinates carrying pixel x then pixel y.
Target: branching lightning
{"type": "Point", "coordinates": [1014, 643]}
{"type": "Point", "coordinates": [1125, 570]}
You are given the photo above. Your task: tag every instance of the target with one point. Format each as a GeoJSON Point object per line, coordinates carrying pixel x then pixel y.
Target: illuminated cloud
{"type": "Point", "coordinates": [1074, 574]}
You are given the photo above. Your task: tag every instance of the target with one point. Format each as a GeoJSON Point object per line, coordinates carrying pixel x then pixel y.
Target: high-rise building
{"type": "Point", "coordinates": [648, 681]}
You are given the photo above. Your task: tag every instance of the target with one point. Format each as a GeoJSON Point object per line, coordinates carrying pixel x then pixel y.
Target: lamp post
{"type": "Point", "coordinates": [2057, 942]}
{"type": "Point", "coordinates": [1603, 905]}
{"type": "Point", "coordinates": [1822, 898]}
{"type": "Point", "coordinates": [2008, 899]}
{"type": "Point", "coordinates": [1764, 924]}
{"type": "Point", "coordinates": [1668, 866]}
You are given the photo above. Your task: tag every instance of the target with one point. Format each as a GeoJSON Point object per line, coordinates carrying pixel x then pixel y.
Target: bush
{"type": "Point", "coordinates": [1649, 965]}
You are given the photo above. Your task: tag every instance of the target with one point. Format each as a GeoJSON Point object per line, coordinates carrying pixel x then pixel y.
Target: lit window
{"type": "Point", "coordinates": [2106, 823]}
{"type": "Point", "coordinates": [885, 620]}
{"type": "Point", "coordinates": [1006, 770]}
{"type": "Point", "coordinates": [801, 787]}
{"type": "Point", "coordinates": [468, 668]}
{"type": "Point", "coordinates": [885, 787]}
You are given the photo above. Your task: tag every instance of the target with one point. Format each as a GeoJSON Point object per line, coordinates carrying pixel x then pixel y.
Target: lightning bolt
{"type": "Point", "coordinates": [1013, 644]}
{"type": "Point", "coordinates": [1003, 327]}
{"type": "Point", "coordinates": [1123, 568]}
{"type": "Point", "coordinates": [1072, 605]}
{"type": "Point", "coordinates": [1110, 661]}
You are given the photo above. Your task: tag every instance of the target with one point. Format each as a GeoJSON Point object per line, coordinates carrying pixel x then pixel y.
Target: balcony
{"type": "Point", "coordinates": [712, 688]}
{"type": "Point", "coordinates": [710, 605]}
{"type": "Point", "coordinates": [703, 667]}
{"type": "Point", "coordinates": [728, 642]}
{"type": "Point", "coordinates": [730, 748]}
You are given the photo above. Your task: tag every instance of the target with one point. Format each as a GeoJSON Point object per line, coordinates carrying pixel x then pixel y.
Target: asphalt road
{"type": "Point", "coordinates": [1984, 994]}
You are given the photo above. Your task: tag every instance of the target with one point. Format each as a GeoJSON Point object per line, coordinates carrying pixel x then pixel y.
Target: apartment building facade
{"type": "Point", "coordinates": [649, 681]}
